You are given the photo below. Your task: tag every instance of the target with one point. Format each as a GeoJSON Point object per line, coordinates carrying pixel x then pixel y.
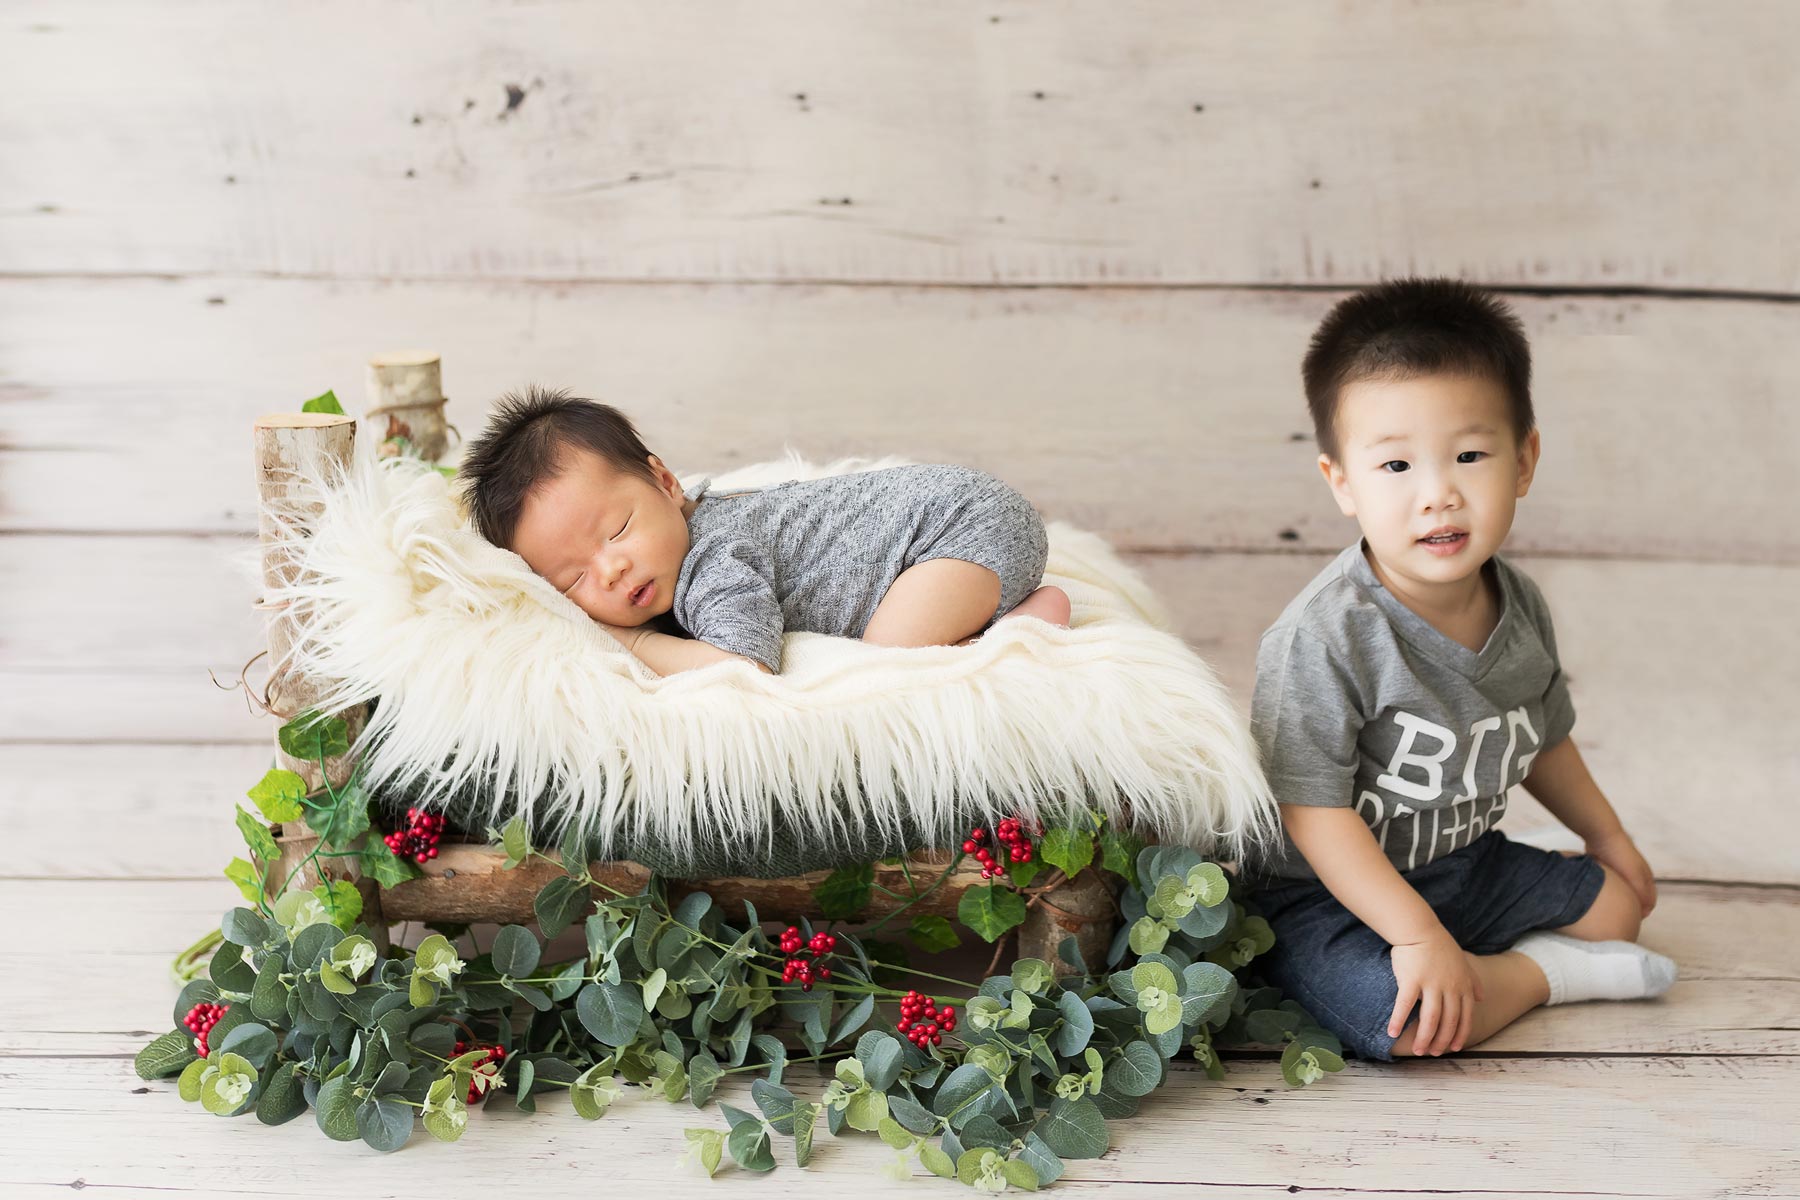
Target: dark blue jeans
{"type": "Point", "coordinates": [1489, 894]}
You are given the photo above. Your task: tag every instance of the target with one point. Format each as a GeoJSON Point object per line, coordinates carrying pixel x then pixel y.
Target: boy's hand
{"type": "Point", "coordinates": [1619, 852]}
{"type": "Point", "coordinates": [1436, 975]}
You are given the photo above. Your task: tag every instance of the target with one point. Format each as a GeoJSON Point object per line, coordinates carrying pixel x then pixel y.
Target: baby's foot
{"type": "Point", "coordinates": [1582, 970]}
{"type": "Point", "coordinates": [1046, 604]}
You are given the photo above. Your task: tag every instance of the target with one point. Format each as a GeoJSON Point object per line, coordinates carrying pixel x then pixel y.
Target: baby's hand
{"type": "Point", "coordinates": [627, 636]}
{"type": "Point", "coordinates": [1619, 852]}
{"type": "Point", "coordinates": [1436, 975]}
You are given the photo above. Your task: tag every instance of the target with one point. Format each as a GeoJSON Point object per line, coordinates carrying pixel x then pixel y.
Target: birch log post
{"type": "Point", "coordinates": [406, 399]}
{"type": "Point", "coordinates": [292, 448]}
{"type": "Point", "coordinates": [1081, 907]}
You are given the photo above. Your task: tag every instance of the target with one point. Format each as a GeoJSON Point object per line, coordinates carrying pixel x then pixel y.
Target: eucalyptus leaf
{"type": "Point", "coordinates": [854, 1019]}
{"type": "Point", "coordinates": [167, 1055]}
{"type": "Point", "coordinates": [335, 1109]}
{"type": "Point", "coordinates": [1137, 1070]}
{"type": "Point", "coordinates": [1077, 1025]}
{"type": "Point", "coordinates": [384, 1124]}
{"type": "Point", "coordinates": [704, 1073]}
{"type": "Point", "coordinates": [282, 1098]}
{"type": "Point", "coordinates": [610, 1012]}
{"type": "Point", "coordinates": [516, 951]}
{"type": "Point", "coordinates": [1074, 1128]}
{"type": "Point", "coordinates": [776, 1103]}
{"type": "Point", "coordinates": [562, 902]}
{"type": "Point", "coordinates": [749, 1146]}
{"type": "Point", "coordinates": [1043, 1161]}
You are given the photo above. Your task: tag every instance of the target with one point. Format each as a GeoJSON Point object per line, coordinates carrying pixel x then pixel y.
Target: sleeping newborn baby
{"type": "Point", "coordinates": [909, 556]}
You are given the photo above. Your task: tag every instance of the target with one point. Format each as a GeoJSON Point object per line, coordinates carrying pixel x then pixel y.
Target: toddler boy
{"type": "Point", "coordinates": [909, 556]}
{"type": "Point", "coordinates": [1411, 684]}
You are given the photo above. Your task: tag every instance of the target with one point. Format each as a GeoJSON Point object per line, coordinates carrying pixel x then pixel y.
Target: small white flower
{"type": "Point", "coordinates": [486, 1078]}
{"type": "Point", "coordinates": [309, 912]}
{"type": "Point", "coordinates": [441, 971]}
{"type": "Point", "coordinates": [362, 957]}
{"type": "Point", "coordinates": [234, 1089]}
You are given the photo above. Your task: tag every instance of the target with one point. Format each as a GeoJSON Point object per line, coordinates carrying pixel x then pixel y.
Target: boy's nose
{"type": "Point", "coordinates": [1440, 494]}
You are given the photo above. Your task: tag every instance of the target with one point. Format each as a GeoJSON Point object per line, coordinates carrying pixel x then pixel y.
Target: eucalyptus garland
{"type": "Point", "coordinates": [299, 1009]}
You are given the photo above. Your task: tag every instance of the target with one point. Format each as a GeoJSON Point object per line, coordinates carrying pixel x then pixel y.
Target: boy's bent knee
{"type": "Point", "coordinates": [1615, 914]}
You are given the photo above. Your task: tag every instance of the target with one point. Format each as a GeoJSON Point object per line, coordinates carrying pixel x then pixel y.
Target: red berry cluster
{"type": "Point", "coordinates": [419, 840]}
{"type": "Point", "coordinates": [1011, 834]}
{"type": "Point", "coordinates": [200, 1020]}
{"type": "Point", "coordinates": [922, 1022]}
{"type": "Point", "coordinates": [807, 970]}
{"type": "Point", "coordinates": [495, 1055]}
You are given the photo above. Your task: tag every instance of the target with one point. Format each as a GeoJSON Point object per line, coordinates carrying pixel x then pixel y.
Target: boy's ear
{"type": "Point", "coordinates": [1340, 487]}
{"type": "Point", "coordinates": [1529, 450]}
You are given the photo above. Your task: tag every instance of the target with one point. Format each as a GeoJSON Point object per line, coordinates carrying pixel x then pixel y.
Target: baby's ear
{"type": "Point", "coordinates": [666, 482]}
{"type": "Point", "coordinates": [1340, 489]}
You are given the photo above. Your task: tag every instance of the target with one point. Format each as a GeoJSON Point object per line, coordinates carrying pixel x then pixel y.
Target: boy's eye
{"type": "Point", "coordinates": [578, 579]}
{"type": "Point", "coordinates": [622, 529]}
{"type": "Point", "coordinates": [1471, 456]}
{"type": "Point", "coordinates": [1394, 466]}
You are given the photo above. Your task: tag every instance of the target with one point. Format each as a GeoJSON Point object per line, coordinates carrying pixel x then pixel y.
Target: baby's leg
{"type": "Point", "coordinates": [938, 602]}
{"type": "Point", "coordinates": [1046, 604]}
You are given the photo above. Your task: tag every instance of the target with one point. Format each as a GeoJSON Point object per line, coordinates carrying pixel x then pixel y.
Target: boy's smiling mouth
{"type": "Point", "coordinates": [1445, 540]}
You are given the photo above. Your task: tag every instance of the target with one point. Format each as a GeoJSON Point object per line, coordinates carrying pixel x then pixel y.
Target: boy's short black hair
{"type": "Point", "coordinates": [1411, 327]}
{"type": "Point", "coordinates": [523, 446]}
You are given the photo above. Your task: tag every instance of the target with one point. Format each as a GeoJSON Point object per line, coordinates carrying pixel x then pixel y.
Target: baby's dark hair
{"type": "Point", "coordinates": [526, 437]}
{"type": "Point", "coordinates": [1411, 327]}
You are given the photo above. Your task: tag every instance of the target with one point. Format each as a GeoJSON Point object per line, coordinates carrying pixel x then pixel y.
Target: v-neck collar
{"type": "Point", "coordinates": [1425, 635]}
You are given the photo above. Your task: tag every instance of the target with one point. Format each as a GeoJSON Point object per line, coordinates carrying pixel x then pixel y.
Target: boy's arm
{"type": "Point", "coordinates": [1560, 781]}
{"type": "Point", "coordinates": [669, 655]}
{"type": "Point", "coordinates": [1428, 964]}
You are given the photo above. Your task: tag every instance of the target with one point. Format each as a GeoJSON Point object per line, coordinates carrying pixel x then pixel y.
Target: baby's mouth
{"type": "Point", "coordinates": [642, 595]}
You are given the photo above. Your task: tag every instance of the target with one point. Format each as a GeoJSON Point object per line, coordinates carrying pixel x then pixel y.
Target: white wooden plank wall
{"type": "Point", "coordinates": [1079, 245]}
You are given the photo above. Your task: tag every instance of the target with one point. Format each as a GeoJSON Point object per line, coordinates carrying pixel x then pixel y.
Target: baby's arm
{"type": "Point", "coordinates": [1428, 964]}
{"type": "Point", "coordinates": [1560, 780]}
{"type": "Point", "coordinates": [669, 655]}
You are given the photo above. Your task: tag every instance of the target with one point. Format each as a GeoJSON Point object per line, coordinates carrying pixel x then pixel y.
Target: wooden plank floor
{"type": "Point", "coordinates": [1688, 1096]}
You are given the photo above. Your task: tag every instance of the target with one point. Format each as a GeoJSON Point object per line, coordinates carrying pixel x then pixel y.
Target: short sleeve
{"type": "Point", "coordinates": [1559, 708]}
{"type": "Point", "coordinates": [726, 599]}
{"type": "Point", "coordinates": [1306, 716]}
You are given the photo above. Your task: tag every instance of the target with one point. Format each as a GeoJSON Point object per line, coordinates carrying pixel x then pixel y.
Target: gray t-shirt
{"type": "Point", "coordinates": [817, 556]}
{"type": "Point", "coordinates": [1362, 702]}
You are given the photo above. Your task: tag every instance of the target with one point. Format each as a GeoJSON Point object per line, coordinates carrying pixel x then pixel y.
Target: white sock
{"type": "Point", "coordinates": [1579, 970]}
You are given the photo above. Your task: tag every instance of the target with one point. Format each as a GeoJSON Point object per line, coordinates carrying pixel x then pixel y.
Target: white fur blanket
{"type": "Point", "coordinates": [487, 676]}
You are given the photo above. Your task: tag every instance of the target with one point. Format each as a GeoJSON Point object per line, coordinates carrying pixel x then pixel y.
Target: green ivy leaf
{"type": "Point", "coordinates": [248, 879]}
{"type": "Point", "coordinates": [1118, 854]}
{"type": "Point", "coordinates": [845, 891]}
{"type": "Point", "coordinates": [991, 911]}
{"type": "Point", "coordinates": [325, 402]}
{"type": "Point", "coordinates": [167, 1055]}
{"type": "Point", "coordinates": [257, 837]}
{"type": "Point", "coordinates": [1023, 874]}
{"type": "Point", "coordinates": [384, 867]}
{"type": "Point", "coordinates": [308, 736]}
{"type": "Point", "coordinates": [1069, 850]}
{"type": "Point", "coordinates": [343, 820]}
{"type": "Point", "coordinates": [933, 933]}
{"type": "Point", "coordinates": [341, 901]}
{"type": "Point", "coordinates": [277, 796]}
